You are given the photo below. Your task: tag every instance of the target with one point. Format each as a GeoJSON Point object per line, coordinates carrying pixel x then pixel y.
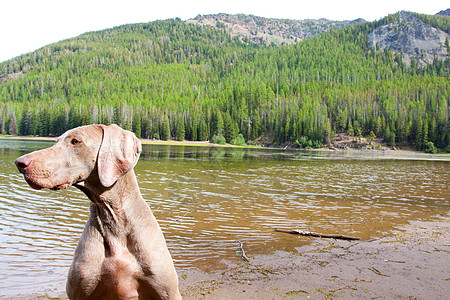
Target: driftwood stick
{"type": "Point", "coordinates": [321, 235]}
{"type": "Point", "coordinates": [241, 248]}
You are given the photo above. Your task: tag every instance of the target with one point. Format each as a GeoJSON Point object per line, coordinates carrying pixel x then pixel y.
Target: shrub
{"type": "Point", "coordinates": [304, 142]}
{"type": "Point", "coordinates": [371, 137]}
{"type": "Point", "coordinates": [301, 142]}
{"type": "Point", "coordinates": [430, 148]}
{"type": "Point", "coordinates": [317, 144]}
{"type": "Point", "coordinates": [218, 139]}
{"type": "Point", "coordinates": [239, 140]}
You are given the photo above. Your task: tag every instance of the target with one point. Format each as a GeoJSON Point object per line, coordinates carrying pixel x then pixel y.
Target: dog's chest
{"type": "Point", "coordinates": [121, 273]}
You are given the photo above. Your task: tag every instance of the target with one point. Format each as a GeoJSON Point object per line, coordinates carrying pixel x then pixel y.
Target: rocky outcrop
{"type": "Point", "coordinates": [267, 30]}
{"type": "Point", "coordinates": [444, 12]}
{"type": "Point", "coordinates": [411, 36]}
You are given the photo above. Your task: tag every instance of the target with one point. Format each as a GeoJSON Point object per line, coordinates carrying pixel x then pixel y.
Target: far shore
{"type": "Point", "coordinates": [383, 151]}
{"type": "Point", "coordinates": [143, 141]}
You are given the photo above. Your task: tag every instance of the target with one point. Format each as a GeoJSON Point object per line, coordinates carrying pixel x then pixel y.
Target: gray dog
{"type": "Point", "coordinates": [122, 253]}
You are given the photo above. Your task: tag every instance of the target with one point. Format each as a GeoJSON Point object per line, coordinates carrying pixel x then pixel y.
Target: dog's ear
{"type": "Point", "coordinates": [118, 154]}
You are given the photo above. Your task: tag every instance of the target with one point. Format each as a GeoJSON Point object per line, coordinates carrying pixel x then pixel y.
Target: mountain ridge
{"type": "Point", "coordinates": [269, 30]}
{"type": "Point", "coordinates": [444, 12]}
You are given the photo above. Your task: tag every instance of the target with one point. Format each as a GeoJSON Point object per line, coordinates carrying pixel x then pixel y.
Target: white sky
{"type": "Point", "coordinates": [26, 25]}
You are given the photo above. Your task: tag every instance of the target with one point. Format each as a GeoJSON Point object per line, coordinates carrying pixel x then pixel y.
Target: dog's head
{"type": "Point", "coordinates": [106, 152]}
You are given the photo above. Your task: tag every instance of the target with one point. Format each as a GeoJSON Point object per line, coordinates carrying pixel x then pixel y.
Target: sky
{"type": "Point", "coordinates": [27, 25]}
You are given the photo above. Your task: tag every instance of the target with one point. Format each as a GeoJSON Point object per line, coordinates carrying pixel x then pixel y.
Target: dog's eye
{"type": "Point", "coordinates": [74, 141]}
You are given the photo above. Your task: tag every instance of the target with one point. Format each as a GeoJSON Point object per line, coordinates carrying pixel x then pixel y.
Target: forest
{"type": "Point", "coordinates": [172, 80]}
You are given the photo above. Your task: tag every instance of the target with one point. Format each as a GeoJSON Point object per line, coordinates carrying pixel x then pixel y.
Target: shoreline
{"type": "Point", "coordinates": [384, 152]}
{"type": "Point", "coordinates": [407, 263]}
{"type": "Point", "coordinates": [143, 141]}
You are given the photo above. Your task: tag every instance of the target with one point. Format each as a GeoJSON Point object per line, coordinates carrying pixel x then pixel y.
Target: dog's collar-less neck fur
{"type": "Point", "coordinates": [110, 217]}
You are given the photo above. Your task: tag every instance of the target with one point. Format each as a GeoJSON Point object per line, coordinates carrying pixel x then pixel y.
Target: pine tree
{"type": "Point", "coordinates": [180, 130]}
{"type": "Point", "coordinates": [165, 132]}
{"type": "Point", "coordinates": [12, 126]}
{"type": "Point", "coordinates": [24, 124]}
{"type": "Point", "coordinates": [217, 123]}
{"type": "Point", "coordinates": [137, 123]}
{"type": "Point", "coordinates": [228, 130]}
{"type": "Point", "coordinates": [202, 131]}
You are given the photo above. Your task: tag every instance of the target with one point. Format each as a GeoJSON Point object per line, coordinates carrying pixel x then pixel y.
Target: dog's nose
{"type": "Point", "coordinates": [22, 163]}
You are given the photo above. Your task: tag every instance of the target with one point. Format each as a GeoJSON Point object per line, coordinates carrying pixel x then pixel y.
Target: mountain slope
{"type": "Point", "coordinates": [268, 30]}
{"type": "Point", "coordinates": [175, 79]}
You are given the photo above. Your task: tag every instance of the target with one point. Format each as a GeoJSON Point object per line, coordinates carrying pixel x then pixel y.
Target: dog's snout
{"type": "Point", "coordinates": [22, 163]}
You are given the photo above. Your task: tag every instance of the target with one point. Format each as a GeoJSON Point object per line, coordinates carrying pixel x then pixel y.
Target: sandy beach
{"type": "Point", "coordinates": [408, 264]}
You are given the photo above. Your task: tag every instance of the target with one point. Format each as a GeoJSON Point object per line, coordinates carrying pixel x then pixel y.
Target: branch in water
{"type": "Point", "coordinates": [241, 248]}
{"type": "Point", "coordinates": [322, 235]}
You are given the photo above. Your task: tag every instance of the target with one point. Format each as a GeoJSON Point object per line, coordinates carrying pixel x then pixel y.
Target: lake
{"type": "Point", "coordinates": [207, 198]}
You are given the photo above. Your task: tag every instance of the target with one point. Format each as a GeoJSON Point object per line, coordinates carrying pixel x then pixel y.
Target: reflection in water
{"type": "Point", "coordinates": [206, 198]}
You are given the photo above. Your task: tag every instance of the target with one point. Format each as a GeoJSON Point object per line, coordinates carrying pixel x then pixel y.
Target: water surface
{"type": "Point", "coordinates": [207, 198]}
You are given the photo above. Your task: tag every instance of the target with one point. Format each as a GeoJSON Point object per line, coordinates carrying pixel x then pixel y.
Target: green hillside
{"type": "Point", "coordinates": [169, 79]}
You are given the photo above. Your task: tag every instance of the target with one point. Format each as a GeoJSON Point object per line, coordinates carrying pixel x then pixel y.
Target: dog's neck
{"type": "Point", "coordinates": [109, 209]}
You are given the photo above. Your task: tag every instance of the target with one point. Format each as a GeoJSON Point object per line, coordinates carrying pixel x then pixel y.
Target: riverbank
{"type": "Point", "coordinates": [409, 263]}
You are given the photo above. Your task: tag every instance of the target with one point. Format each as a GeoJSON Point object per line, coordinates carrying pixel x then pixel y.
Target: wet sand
{"type": "Point", "coordinates": [412, 263]}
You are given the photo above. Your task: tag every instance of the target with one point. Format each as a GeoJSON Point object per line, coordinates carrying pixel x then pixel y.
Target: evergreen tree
{"type": "Point", "coordinates": [165, 132]}
{"type": "Point", "coordinates": [24, 124]}
{"type": "Point", "coordinates": [180, 130]}
{"type": "Point", "coordinates": [202, 131]}
{"type": "Point", "coordinates": [137, 123]}
{"type": "Point", "coordinates": [217, 123]}
{"type": "Point", "coordinates": [12, 126]}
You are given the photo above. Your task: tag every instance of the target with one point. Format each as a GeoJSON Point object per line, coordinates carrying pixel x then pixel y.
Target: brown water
{"type": "Point", "coordinates": [207, 198]}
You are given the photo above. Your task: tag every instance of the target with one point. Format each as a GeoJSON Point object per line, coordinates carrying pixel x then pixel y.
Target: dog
{"type": "Point", "coordinates": [122, 253]}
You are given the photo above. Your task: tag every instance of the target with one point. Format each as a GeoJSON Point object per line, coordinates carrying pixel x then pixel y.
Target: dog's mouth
{"type": "Point", "coordinates": [38, 186]}
{"type": "Point", "coordinates": [60, 186]}
{"type": "Point", "coordinates": [32, 183]}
